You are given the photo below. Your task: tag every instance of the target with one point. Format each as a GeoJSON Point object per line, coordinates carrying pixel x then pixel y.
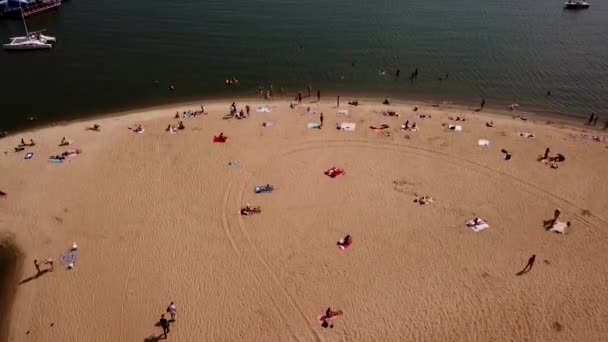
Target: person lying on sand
{"type": "Point", "coordinates": [423, 200]}
{"type": "Point", "coordinates": [415, 109]}
{"type": "Point", "coordinates": [57, 157]}
{"type": "Point", "coordinates": [3, 194]}
{"type": "Point", "coordinates": [490, 124]}
{"type": "Point", "coordinates": [249, 210]}
{"type": "Point", "coordinates": [95, 128]}
{"type": "Point", "coordinates": [458, 118]}
{"type": "Point", "coordinates": [139, 129]}
{"type": "Point", "coordinates": [353, 103]}
{"type": "Point", "coordinates": [475, 222]}
{"type": "Point", "coordinates": [329, 314]}
{"type": "Point", "coordinates": [545, 156]}
{"type": "Point", "coordinates": [555, 160]}
{"type": "Point", "coordinates": [383, 126]}
{"type": "Point", "coordinates": [19, 148]}
{"type": "Point", "coordinates": [506, 154]}
{"type": "Point", "coordinates": [386, 101]}
{"type": "Point", "coordinates": [344, 242]}
{"type": "Point", "coordinates": [264, 188]}
{"type": "Point", "coordinates": [390, 113]}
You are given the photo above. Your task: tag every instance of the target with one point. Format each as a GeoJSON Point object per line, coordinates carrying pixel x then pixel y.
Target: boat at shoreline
{"type": "Point", "coordinates": [576, 4]}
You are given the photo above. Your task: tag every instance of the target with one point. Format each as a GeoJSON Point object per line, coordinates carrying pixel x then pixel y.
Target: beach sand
{"type": "Point", "coordinates": [156, 219]}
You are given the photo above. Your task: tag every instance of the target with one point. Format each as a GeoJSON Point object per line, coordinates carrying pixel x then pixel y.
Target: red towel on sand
{"type": "Point", "coordinates": [219, 140]}
{"type": "Point", "coordinates": [334, 171]}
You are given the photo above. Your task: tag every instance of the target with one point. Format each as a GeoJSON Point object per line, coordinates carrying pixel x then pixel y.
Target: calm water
{"type": "Point", "coordinates": [109, 53]}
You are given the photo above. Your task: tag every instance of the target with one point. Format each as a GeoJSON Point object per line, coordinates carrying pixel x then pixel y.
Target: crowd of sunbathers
{"type": "Point", "coordinates": [190, 113]}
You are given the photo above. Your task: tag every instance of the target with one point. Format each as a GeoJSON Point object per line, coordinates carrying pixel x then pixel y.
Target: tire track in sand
{"type": "Point", "coordinates": [592, 221]}
{"type": "Point", "coordinates": [244, 248]}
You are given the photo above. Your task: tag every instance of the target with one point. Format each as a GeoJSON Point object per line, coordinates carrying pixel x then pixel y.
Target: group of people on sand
{"type": "Point", "coordinates": [593, 121]}
{"type": "Point", "coordinates": [552, 160]}
{"type": "Point", "coordinates": [249, 210]}
{"type": "Point", "coordinates": [407, 127]}
{"type": "Point", "coordinates": [22, 145]}
{"type": "Point", "coordinates": [190, 113]}
{"type": "Point", "coordinates": [240, 114]}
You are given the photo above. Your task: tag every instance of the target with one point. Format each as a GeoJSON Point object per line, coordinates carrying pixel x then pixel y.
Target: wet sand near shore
{"type": "Point", "coordinates": [156, 217]}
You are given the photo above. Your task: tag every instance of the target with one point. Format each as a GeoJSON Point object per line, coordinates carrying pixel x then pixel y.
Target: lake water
{"type": "Point", "coordinates": [110, 52]}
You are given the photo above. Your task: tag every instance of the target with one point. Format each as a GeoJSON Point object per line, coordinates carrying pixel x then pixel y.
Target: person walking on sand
{"type": "Point", "coordinates": [321, 119]}
{"type": "Point", "coordinates": [483, 103]}
{"type": "Point", "coordinates": [529, 265]}
{"type": "Point", "coordinates": [338, 101]}
{"type": "Point", "coordinates": [591, 119]}
{"type": "Point", "coordinates": [247, 109]}
{"type": "Point", "coordinates": [172, 311]}
{"type": "Point", "coordinates": [299, 97]}
{"type": "Point", "coordinates": [165, 325]}
{"type": "Point", "coordinates": [318, 95]}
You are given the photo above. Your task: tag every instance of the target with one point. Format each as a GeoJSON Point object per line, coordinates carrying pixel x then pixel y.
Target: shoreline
{"type": "Point", "coordinates": [571, 120]}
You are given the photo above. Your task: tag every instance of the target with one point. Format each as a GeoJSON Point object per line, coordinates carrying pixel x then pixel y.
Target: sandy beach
{"type": "Point", "coordinates": [156, 220]}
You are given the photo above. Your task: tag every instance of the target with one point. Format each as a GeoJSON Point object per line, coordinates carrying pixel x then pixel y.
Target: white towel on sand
{"type": "Point", "coordinates": [481, 225]}
{"type": "Point", "coordinates": [559, 227]}
{"type": "Point", "coordinates": [483, 142]}
{"type": "Point", "coordinates": [264, 109]}
{"type": "Point", "coordinates": [347, 126]}
{"type": "Point", "coordinates": [455, 127]}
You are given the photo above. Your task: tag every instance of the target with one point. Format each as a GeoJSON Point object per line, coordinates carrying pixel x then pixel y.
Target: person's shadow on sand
{"type": "Point", "coordinates": [35, 276]}
{"type": "Point", "coordinates": [153, 338]}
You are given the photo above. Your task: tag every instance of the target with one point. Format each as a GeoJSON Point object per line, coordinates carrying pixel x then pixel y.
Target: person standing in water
{"type": "Point", "coordinates": [483, 103]}
{"type": "Point", "coordinates": [318, 95]}
{"type": "Point", "coordinates": [591, 118]}
{"type": "Point", "coordinates": [398, 73]}
{"type": "Point", "coordinates": [338, 101]}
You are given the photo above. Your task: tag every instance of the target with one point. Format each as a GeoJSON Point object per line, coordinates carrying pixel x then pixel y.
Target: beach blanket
{"type": "Point", "coordinates": [55, 160]}
{"type": "Point", "coordinates": [483, 142]}
{"type": "Point", "coordinates": [481, 225]}
{"type": "Point", "coordinates": [333, 172]}
{"type": "Point", "coordinates": [455, 127]}
{"type": "Point", "coordinates": [263, 109]}
{"type": "Point", "coordinates": [71, 153]}
{"type": "Point", "coordinates": [233, 164]}
{"type": "Point", "coordinates": [347, 126]}
{"type": "Point", "coordinates": [311, 111]}
{"type": "Point", "coordinates": [343, 112]}
{"type": "Point", "coordinates": [261, 189]}
{"type": "Point", "coordinates": [218, 140]}
{"type": "Point", "coordinates": [29, 155]}
{"type": "Point", "coordinates": [267, 124]}
{"type": "Point", "coordinates": [559, 227]}
{"type": "Point", "coordinates": [69, 258]}
{"type": "Point", "coordinates": [314, 125]}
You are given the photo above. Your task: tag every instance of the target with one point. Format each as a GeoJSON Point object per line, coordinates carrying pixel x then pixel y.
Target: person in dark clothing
{"type": "Point", "coordinates": [483, 103]}
{"type": "Point", "coordinates": [247, 109]}
{"type": "Point", "coordinates": [338, 101]}
{"type": "Point", "coordinates": [595, 120]}
{"type": "Point", "coordinates": [164, 323]}
{"type": "Point", "coordinates": [528, 265]}
{"type": "Point", "coordinates": [318, 96]}
{"type": "Point", "coordinates": [299, 97]}
{"type": "Point", "coordinates": [606, 125]}
{"type": "Point", "coordinates": [321, 119]}
{"type": "Point", "coordinates": [398, 73]}
{"type": "Point", "coordinates": [591, 118]}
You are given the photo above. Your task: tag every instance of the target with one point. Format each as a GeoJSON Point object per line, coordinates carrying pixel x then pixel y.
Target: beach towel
{"type": "Point", "coordinates": [69, 258]}
{"type": "Point", "coordinates": [483, 142]}
{"type": "Point", "coordinates": [343, 112]}
{"type": "Point", "coordinates": [218, 140]}
{"type": "Point", "coordinates": [333, 172]}
{"type": "Point", "coordinates": [263, 109]}
{"type": "Point", "coordinates": [347, 126]}
{"type": "Point", "coordinates": [314, 125]}
{"type": "Point", "coordinates": [55, 160]}
{"type": "Point", "coordinates": [261, 189]}
{"type": "Point", "coordinates": [267, 124]}
{"type": "Point", "coordinates": [29, 155]}
{"type": "Point", "coordinates": [233, 164]}
{"type": "Point", "coordinates": [455, 127]}
{"type": "Point", "coordinates": [481, 225]}
{"type": "Point", "coordinates": [559, 227]}
{"type": "Point", "coordinates": [71, 153]}
{"type": "Point", "coordinates": [311, 111]}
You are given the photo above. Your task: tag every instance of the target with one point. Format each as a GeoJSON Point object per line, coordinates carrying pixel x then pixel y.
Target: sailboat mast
{"type": "Point", "coordinates": [27, 34]}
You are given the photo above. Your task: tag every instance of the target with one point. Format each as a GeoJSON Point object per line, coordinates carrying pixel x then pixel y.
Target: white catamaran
{"type": "Point", "coordinates": [31, 40]}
